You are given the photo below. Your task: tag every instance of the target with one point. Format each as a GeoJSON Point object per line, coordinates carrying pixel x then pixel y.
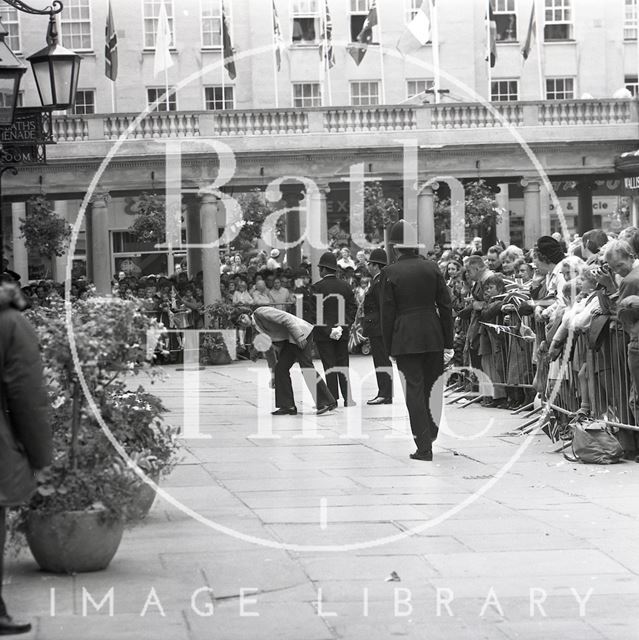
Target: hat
{"type": "Point", "coordinates": [378, 256]}
{"type": "Point", "coordinates": [275, 253]}
{"type": "Point", "coordinates": [550, 250]}
{"type": "Point", "coordinates": [403, 235]}
{"type": "Point", "coordinates": [328, 261]}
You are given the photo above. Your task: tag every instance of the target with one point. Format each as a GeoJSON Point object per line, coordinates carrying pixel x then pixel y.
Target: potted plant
{"type": "Point", "coordinates": [83, 501]}
{"type": "Point", "coordinates": [221, 316]}
{"type": "Point", "coordinates": [213, 349]}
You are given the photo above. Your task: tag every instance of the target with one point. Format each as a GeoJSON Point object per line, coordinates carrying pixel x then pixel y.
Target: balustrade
{"type": "Point", "coordinates": [347, 119]}
{"type": "Point", "coordinates": [584, 112]}
{"type": "Point", "coordinates": [272, 122]}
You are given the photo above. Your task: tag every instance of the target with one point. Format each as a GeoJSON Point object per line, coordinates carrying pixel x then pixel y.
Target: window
{"type": "Point", "coordinates": [413, 8]}
{"type": "Point", "coordinates": [305, 21]}
{"type": "Point", "coordinates": [557, 20]}
{"type": "Point", "coordinates": [211, 24]}
{"type": "Point", "coordinates": [364, 93]}
{"type": "Point", "coordinates": [10, 20]}
{"type": "Point", "coordinates": [307, 94]}
{"type": "Point", "coordinates": [560, 88]}
{"type": "Point", "coordinates": [504, 90]}
{"type": "Point", "coordinates": [630, 20]}
{"type": "Point", "coordinates": [506, 20]}
{"type": "Point", "coordinates": [417, 87]}
{"type": "Point", "coordinates": [218, 98]}
{"type": "Point", "coordinates": [84, 102]}
{"type": "Point", "coordinates": [359, 12]}
{"type": "Point", "coordinates": [154, 93]}
{"type": "Point", "coordinates": [151, 13]}
{"type": "Point", "coordinates": [75, 25]}
{"type": "Point", "coordinates": [632, 84]}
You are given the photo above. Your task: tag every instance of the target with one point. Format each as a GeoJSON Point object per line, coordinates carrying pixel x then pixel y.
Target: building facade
{"type": "Point", "coordinates": [570, 107]}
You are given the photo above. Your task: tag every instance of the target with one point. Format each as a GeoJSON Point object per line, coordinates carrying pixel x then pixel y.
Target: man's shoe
{"type": "Point", "coordinates": [9, 627]}
{"type": "Point", "coordinates": [380, 400]}
{"type": "Point", "coordinates": [350, 403]}
{"type": "Point", "coordinates": [289, 411]}
{"type": "Point", "coordinates": [426, 456]}
{"type": "Point", "coordinates": [325, 409]}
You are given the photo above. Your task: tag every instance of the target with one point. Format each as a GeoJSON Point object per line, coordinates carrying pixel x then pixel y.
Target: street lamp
{"type": "Point", "coordinates": [56, 72]}
{"type": "Point", "coordinates": [56, 69]}
{"type": "Point", "coordinates": [11, 71]}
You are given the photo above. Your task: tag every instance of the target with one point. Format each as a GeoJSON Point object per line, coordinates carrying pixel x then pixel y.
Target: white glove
{"type": "Point", "coordinates": [448, 355]}
{"type": "Point", "coordinates": [336, 333]}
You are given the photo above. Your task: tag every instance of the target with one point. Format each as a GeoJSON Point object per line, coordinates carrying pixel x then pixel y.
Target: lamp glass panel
{"type": "Point", "coordinates": [43, 80]}
{"type": "Point", "coordinates": [8, 93]}
{"type": "Point", "coordinates": [63, 80]}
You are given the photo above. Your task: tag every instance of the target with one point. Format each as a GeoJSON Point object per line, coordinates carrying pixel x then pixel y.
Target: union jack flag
{"type": "Point", "coordinates": [326, 45]}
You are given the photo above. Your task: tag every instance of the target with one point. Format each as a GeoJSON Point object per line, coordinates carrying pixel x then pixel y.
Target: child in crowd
{"type": "Point", "coordinates": [491, 343]}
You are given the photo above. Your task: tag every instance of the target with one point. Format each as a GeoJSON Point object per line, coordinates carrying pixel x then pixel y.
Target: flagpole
{"type": "Point", "coordinates": [275, 50]}
{"type": "Point", "coordinates": [222, 50]}
{"type": "Point", "coordinates": [488, 50]}
{"type": "Point", "coordinates": [538, 34]}
{"type": "Point", "coordinates": [381, 53]}
{"type": "Point", "coordinates": [113, 109]}
{"type": "Point", "coordinates": [435, 33]}
{"type": "Point", "coordinates": [325, 59]}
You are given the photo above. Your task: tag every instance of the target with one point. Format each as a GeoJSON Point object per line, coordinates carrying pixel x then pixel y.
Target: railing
{"type": "Point", "coordinates": [337, 120]}
{"type": "Point", "coordinates": [377, 119]}
{"type": "Point", "coordinates": [470, 116]}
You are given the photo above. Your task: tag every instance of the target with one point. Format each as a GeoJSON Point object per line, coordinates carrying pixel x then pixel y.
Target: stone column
{"type": "Point", "coordinates": [20, 253]}
{"type": "Point", "coordinates": [210, 255]}
{"type": "Point", "coordinates": [585, 188]}
{"type": "Point", "coordinates": [59, 264]}
{"type": "Point", "coordinates": [503, 202]}
{"type": "Point", "coordinates": [532, 212]}
{"type": "Point", "coordinates": [634, 222]}
{"type": "Point", "coordinates": [101, 251]}
{"type": "Point", "coordinates": [193, 236]}
{"type": "Point", "coordinates": [318, 227]}
{"type": "Point", "coordinates": [544, 196]}
{"type": "Point", "coordinates": [426, 219]}
{"type": "Point", "coordinates": [292, 195]}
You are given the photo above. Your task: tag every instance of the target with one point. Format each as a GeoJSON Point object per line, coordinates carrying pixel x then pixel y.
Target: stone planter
{"type": "Point", "coordinates": [73, 541]}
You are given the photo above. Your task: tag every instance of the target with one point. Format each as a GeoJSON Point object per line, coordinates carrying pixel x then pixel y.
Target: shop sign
{"type": "Point", "coordinates": [631, 183]}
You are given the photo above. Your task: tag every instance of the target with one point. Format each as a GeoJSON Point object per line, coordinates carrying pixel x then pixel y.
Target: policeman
{"type": "Point", "coordinates": [417, 329]}
{"type": "Point", "coordinates": [372, 329]}
{"type": "Point", "coordinates": [331, 336]}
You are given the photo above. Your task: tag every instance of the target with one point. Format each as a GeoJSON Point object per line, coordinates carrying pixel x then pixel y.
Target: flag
{"type": "Point", "coordinates": [532, 26]}
{"type": "Point", "coordinates": [277, 37]}
{"type": "Point", "coordinates": [365, 36]}
{"type": "Point", "coordinates": [110, 47]}
{"type": "Point", "coordinates": [162, 60]}
{"type": "Point", "coordinates": [229, 62]}
{"type": "Point", "coordinates": [491, 44]}
{"type": "Point", "coordinates": [418, 32]}
{"type": "Point", "coordinates": [326, 46]}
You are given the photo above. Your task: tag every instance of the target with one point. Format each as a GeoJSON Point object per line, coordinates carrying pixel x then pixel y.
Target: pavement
{"type": "Point", "coordinates": [317, 533]}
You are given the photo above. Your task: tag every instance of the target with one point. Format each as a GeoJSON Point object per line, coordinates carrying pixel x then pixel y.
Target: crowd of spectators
{"type": "Point", "coordinates": [515, 310]}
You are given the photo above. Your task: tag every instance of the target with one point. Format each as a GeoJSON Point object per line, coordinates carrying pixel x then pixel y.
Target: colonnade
{"type": "Point", "coordinates": [203, 213]}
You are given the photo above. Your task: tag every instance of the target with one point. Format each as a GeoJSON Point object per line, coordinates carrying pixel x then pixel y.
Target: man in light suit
{"type": "Point", "coordinates": [417, 328]}
{"type": "Point", "coordinates": [292, 342]}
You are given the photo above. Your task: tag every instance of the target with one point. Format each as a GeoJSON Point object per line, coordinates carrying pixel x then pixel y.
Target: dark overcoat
{"type": "Point", "coordinates": [416, 308]}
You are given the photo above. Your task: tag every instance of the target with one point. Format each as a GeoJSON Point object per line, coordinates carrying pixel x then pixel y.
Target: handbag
{"type": "Point", "coordinates": [594, 443]}
{"type": "Point", "coordinates": [17, 479]}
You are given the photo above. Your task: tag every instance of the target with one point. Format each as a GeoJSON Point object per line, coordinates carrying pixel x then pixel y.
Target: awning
{"type": "Point", "coordinates": [628, 163]}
